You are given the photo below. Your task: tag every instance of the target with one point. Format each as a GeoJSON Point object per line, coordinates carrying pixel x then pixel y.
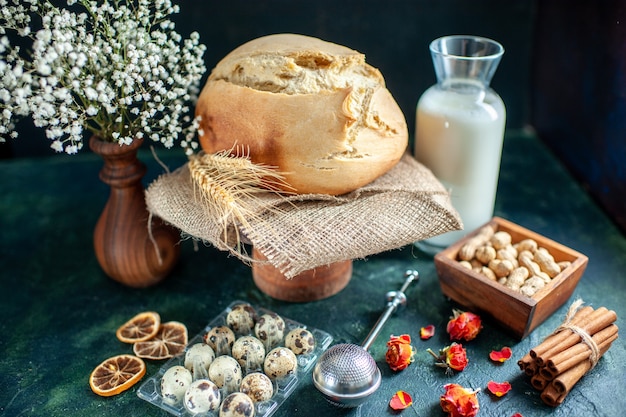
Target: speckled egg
{"type": "Point", "coordinates": [280, 362]}
{"type": "Point", "coordinates": [174, 384]}
{"type": "Point", "coordinates": [237, 404]}
{"type": "Point", "coordinates": [221, 339]}
{"type": "Point", "coordinates": [249, 352]}
{"type": "Point", "coordinates": [300, 341]}
{"type": "Point", "coordinates": [241, 318]}
{"type": "Point", "coordinates": [202, 396]}
{"type": "Point", "coordinates": [201, 355]}
{"type": "Point", "coordinates": [225, 372]}
{"type": "Point", "coordinates": [257, 386]}
{"type": "Point", "coordinates": [270, 329]}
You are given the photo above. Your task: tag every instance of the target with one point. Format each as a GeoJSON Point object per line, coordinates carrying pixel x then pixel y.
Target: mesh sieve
{"type": "Point", "coordinates": [346, 374]}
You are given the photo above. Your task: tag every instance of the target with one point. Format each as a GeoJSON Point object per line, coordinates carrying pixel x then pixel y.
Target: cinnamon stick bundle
{"type": "Point", "coordinates": [573, 349]}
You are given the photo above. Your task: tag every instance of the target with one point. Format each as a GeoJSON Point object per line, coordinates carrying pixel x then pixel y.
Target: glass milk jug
{"type": "Point", "coordinates": [460, 129]}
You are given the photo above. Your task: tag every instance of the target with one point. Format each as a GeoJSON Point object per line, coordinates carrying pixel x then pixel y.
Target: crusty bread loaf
{"type": "Point", "coordinates": [313, 109]}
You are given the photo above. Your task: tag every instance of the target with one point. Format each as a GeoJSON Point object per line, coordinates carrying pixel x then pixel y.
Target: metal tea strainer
{"type": "Point", "coordinates": [346, 374]}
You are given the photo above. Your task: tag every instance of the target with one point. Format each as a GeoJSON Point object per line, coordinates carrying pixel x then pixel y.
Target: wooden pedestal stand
{"type": "Point", "coordinates": [314, 284]}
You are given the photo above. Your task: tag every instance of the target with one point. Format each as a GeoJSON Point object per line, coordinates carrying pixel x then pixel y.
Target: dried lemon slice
{"type": "Point", "coordinates": [143, 326]}
{"type": "Point", "coordinates": [116, 374]}
{"type": "Point", "coordinates": [170, 341]}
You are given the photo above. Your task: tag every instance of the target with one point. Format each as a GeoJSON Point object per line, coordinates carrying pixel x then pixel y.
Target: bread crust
{"type": "Point", "coordinates": [344, 133]}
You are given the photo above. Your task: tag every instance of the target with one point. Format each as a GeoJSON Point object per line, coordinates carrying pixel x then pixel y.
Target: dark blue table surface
{"type": "Point", "coordinates": [60, 312]}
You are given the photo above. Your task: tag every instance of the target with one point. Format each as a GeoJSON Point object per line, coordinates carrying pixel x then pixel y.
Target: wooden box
{"type": "Point", "coordinates": [517, 313]}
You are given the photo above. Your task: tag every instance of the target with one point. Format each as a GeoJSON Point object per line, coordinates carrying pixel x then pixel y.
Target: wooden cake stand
{"type": "Point", "coordinates": [314, 284]}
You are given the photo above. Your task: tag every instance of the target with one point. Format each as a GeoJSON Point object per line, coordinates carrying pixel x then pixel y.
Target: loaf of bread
{"type": "Point", "coordinates": [315, 110]}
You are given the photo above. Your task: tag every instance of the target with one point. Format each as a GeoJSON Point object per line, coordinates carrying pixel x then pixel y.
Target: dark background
{"type": "Point", "coordinates": [563, 73]}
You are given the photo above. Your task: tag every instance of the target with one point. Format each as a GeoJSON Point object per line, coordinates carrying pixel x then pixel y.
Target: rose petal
{"type": "Point", "coordinates": [427, 332]}
{"type": "Point", "coordinates": [502, 355]}
{"type": "Point", "coordinates": [400, 400]}
{"type": "Point", "coordinates": [498, 388]}
{"type": "Point", "coordinates": [517, 415]}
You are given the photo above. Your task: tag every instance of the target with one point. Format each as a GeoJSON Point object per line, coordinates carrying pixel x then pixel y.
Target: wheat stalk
{"type": "Point", "coordinates": [229, 184]}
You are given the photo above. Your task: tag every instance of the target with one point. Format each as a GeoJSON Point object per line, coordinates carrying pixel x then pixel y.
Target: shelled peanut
{"type": "Point", "coordinates": [522, 266]}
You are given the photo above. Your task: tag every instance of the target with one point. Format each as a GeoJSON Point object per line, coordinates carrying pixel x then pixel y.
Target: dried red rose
{"type": "Point", "coordinates": [453, 357]}
{"type": "Point", "coordinates": [501, 355]}
{"type": "Point", "coordinates": [427, 332]}
{"type": "Point", "coordinates": [464, 326]}
{"type": "Point", "coordinates": [456, 357]}
{"type": "Point", "coordinates": [400, 400]}
{"type": "Point", "coordinates": [498, 388]}
{"type": "Point", "coordinates": [458, 401]}
{"type": "Point", "coordinates": [399, 352]}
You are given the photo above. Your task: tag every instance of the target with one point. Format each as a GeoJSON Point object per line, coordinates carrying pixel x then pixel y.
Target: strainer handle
{"type": "Point", "coordinates": [395, 299]}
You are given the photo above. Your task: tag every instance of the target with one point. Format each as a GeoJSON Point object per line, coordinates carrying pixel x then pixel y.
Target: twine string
{"type": "Point", "coordinates": [153, 240]}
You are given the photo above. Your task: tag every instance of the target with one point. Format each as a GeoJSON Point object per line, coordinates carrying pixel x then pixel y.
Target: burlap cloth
{"type": "Point", "coordinates": [300, 232]}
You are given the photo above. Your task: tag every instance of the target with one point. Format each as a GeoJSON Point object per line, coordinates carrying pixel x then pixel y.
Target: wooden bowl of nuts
{"type": "Point", "coordinates": [513, 275]}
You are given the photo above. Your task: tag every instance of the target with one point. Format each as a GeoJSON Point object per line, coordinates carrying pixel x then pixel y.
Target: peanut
{"type": "Point", "coordinates": [523, 266]}
{"type": "Point", "coordinates": [508, 254]}
{"type": "Point", "coordinates": [476, 263]}
{"type": "Point", "coordinates": [487, 232]}
{"type": "Point", "coordinates": [485, 254]}
{"type": "Point", "coordinates": [527, 244]}
{"type": "Point", "coordinates": [468, 251]}
{"type": "Point", "coordinates": [528, 290]}
{"type": "Point", "coordinates": [501, 268]}
{"type": "Point", "coordinates": [500, 240]}
{"type": "Point", "coordinates": [532, 285]}
{"type": "Point", "coordinates": [518, 275]}
{"type": "Point", "coordinates": [526, 259]}
{"type": "Point", "coordinates": [466, 264]}
{"type": "Point", "coordinates": [564, 264]}
{"type": "Point", "coordinates": [546, 263]}
{"type": "Point", "coordinates": [486, 271]}
{"type": "Point", "coordinates": [545, 277]}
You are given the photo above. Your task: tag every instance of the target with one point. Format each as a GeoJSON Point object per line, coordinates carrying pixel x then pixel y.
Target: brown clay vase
{"type": "Point", "coordinates": [123, 245]}
{"type": "Point", "coordinates": [314, 284]}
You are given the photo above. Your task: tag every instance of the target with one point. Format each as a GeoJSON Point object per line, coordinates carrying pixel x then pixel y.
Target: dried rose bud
{"type": "Point", "coordinates": [456, 357]}
{"type": "Point", "coordinates": [464, 326]}
{"type": "Point", "coordinates": [458, 401]}
{"type": "Point", "coordinates": [453, 357]}
{"type": "Point", "coordinates": [399, 352]}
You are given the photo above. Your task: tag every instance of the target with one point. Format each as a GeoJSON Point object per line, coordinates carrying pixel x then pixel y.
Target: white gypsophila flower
{"type": "Point", "coordinates": [118, 69]}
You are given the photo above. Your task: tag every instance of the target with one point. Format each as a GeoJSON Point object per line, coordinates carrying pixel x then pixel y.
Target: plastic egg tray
{"type": "Point", "coordinates": [150, 390]}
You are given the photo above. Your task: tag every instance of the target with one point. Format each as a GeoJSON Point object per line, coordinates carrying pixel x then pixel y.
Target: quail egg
{"type": "Point", "coordinates": [199, 355]}
{"type": "Point", "coordinates": [300, 341]}
{"type": "Point", "coordinates": [280, 362]}
{"type": "Point", "coordinates": [202, 396]}
{"type": "Point", "coordinates": [221, 339]}
{"type": "Point", "coordinates": [270, 329]}
{"type": "Point", "coordinates": [241, 318]}
{"type": "Point", "coordinates": [249, 352]}
{"type": "Point", "coordinates": [257, 386]}
{"type": "Point", "coordinates": [237, 404]}
{"type": "Point", "coordinates": [174, 384]}
{"type": "Point", "coordinates": [225, 372]}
